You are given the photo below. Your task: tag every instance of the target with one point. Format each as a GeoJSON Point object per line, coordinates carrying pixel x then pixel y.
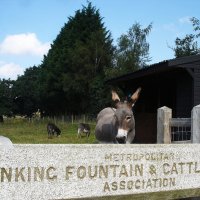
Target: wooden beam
{"type": "Point", "coordinates": [190, 72]}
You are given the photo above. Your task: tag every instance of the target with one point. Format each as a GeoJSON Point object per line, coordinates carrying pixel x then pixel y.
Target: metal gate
{"type": "Point", "coordinates": [180, 129]}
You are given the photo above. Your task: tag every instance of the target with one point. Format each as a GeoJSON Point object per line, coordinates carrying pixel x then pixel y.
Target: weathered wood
{"type": "Point", "coordinates": [196, 85]}
{"type": "Point", "coordinates": [195, 126]}
{"type": "Point", "coordinates": [163, 125]}
{"type": "Point", "coordinates": [177, 122]}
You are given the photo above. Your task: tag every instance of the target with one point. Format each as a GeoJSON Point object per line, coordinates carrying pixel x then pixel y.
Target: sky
{"type": "Point", "coordinates": [29, 27]}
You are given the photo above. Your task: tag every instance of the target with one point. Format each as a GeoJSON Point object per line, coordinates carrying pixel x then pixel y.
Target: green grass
{"type": "Point", "coordinates": [23, 131]}
{"type": "Point", "coordinates": [178, 194]}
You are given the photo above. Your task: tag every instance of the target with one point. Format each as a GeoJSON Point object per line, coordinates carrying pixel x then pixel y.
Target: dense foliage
{"type": "Point", "coordinates": [26, 92]}
{"type": "Point", "coordinates": [71, 77]}
{"type": "Point", "coordinates": [6, 100]}
{"type": "Point", "coordinates": [188, 45]}
{"type": "Point", "coordinates": [133, 48]}
{"type": "Point", "coordinates": [132, 51]}
{"type": "Point", "coordinates": [79, 55]}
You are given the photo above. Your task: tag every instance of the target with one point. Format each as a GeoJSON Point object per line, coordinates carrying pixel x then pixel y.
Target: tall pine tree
{"type": "Point", "coordinates": [79, 55]}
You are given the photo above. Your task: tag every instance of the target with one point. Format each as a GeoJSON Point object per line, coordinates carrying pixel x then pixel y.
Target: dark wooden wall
{"type": "Point", "coordinates": [196, 95]}
{"type": "Point", "coordinates": [184, 95]}
{"type": "Point", "coordinates": [174, 83]}
{"type": "Point", "coordinates": [173, 89]}
{"type": "Point", "coordinates": [145, 128]}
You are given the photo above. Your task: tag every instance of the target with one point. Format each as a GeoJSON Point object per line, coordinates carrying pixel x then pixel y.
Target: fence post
{"type": "Point", "coordinates": [195, 124]}
{"type": "Point", "coordinates": [164, 114]}
{"type": "Point", "coordinates": [63, 118]}
{"type": "Point", "coordinates": [72, 119]}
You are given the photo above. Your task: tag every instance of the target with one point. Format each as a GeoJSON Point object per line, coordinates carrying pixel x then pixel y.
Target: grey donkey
{"type": "Point", "coordinates": [117, 123]}
{"type": "Point", "coordinates": [83, 129]}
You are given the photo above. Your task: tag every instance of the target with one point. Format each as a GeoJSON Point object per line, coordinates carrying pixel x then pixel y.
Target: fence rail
{"type": "Point", "coordinates": [73, 119]}
{"type": "Point", "coordinates": [176, 122]}
{"type": "Point", "coordinates": [178, 130]}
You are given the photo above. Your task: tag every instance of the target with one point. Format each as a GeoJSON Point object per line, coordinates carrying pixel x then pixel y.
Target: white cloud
{"type": "Point", "coordinates": [185, 20]}
{"type": "Point", "coordinates": [10, 70]}
{"type": "Point", "coordinates": [23, 44]}
{"type": "Point", "coordinates": [170, 27]}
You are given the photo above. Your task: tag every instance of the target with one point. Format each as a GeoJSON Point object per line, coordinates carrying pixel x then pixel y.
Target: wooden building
{"type": "Point", "coordinates": [173, 83]}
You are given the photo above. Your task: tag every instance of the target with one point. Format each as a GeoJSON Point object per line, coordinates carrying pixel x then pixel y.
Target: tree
{"type": "Point", "coordinates": [6, 94]}
{"type": "Point", "coordinates": [196, 26]}
{"type": "Point", "coordinates": [26, 93]}
{"type": "Point", "coordinates": [132, 51]}
{"type": "Point", "coordinates": [81, 52]}
{"type": "Point", "coordinates": [188, 45]}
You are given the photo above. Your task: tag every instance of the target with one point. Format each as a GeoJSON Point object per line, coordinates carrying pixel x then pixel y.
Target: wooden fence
{"type": "Point", "coordinates": [73, 119]}
{"type": "Point", "coordinates": [178, 130]}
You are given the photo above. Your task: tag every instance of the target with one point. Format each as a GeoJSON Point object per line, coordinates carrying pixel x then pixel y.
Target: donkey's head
{"type": "Point", "coordinates": [124, 116]}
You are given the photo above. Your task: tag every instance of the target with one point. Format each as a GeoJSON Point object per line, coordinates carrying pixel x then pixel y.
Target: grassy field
{"type": "Point", "coordinates": [24, 131]}
{"type": "Point", "coordinates": [178, 194]}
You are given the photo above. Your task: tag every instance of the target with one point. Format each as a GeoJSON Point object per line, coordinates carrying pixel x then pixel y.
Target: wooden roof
{"type": "Point", "coordinates": [187, 63]}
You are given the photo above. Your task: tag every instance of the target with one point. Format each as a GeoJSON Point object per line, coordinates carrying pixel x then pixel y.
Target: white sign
{"type": "Point", "coordinates": [80, 171]}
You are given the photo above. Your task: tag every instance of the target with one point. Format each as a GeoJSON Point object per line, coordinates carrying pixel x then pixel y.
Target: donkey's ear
{"type": "Point", "coordinates": [115, 97]}
{"type": "Point", "coordinates": [135, 96]}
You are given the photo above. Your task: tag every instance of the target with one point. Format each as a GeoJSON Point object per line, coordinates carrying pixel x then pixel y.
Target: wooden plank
{"type": "Point", "coordinates": [183, 60]}
{"type": "Point", "coordinates": [196, 86]}
{"type": "Point", "coordinates": [182, 142]}
{"type": "Point", "coordinates": [180, 122]}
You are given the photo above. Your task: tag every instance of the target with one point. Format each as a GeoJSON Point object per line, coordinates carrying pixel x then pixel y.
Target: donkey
{"type": "Point", "coordinates": [52, 130]}
{"type": "Point", "coordinates": [83, 129]}
{"type": "Point", "coordinates": [119, 123]}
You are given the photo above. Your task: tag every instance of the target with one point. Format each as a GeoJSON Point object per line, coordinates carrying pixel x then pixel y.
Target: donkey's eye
{"type": "Point", "coordinates": [128, 118]}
